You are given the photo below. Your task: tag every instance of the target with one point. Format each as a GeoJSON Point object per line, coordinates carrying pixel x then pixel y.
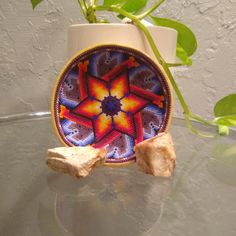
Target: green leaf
{"type": "Point", "coordinates": [183, 56]}
{"type": "Point", "coordinates": [223, 130]}
{"type": "Point", "coordinates": [225, 111]}
{"type": "Point", "coordinates": [186, 38]}
{"type": "Point", "coordinates": [108, 3]}
{"type": "Point", "coordinates": [35, 3]}
{"type": "Point", "coordinates": [226, 120]}
{"type": "Point", "coordinates": [134, 6]}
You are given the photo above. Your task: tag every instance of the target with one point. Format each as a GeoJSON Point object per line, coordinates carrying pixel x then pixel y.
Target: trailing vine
{"type": "Point", "coordinates": [225, 109]}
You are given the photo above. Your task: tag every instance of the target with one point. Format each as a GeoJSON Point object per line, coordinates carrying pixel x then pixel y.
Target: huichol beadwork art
{"type": "Point", "coordinates": [112, 97]}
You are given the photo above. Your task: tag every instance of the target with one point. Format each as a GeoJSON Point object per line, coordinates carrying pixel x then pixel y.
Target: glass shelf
{"type": "Point", "coordinates": [198, 200]}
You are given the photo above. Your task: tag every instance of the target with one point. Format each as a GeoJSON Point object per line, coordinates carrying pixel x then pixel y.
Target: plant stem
{"type": "Point", "coordinates": [150, 10]}
{"type": "Point", "coordinates": [195, 131]}
{"type": "Point", "coordinates": [91, 17]}
{"type": "Point", "coordinates": [200, 119]}
{"type": "Point", "coordinates": [93, 2]}
{"type": "Point", "coordinates": [154, 48]}
{"type": "Point", "coordinates": [174, 64]}
{"type": "Point", "coordinates": [164, 65]}
{"type": "Point", "coordinates": [115, 9]}
{"type": "Point", "coordinates": [144, 29]}
{"type": "Point", "coordinates": [187, 112]}
{"type": "Point", "coordinates": [83, 7]}
{"type": "Point", "coordinates": [232, 116]}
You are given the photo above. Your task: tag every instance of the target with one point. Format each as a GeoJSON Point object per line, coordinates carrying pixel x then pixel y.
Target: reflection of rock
{"type": "Point", "coordinates": [222, 165]}
{"type": "Point", "coordinates": [120, 202]}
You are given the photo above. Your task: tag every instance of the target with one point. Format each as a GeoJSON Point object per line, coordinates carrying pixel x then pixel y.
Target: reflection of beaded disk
{"type": "Point", "coordinates": [113, 97]}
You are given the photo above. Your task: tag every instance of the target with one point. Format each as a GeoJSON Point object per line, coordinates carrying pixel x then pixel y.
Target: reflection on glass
{"type": "Point", "coordinates": [120, 202]}
{"type": "Point", "coordinates": [222, 164]}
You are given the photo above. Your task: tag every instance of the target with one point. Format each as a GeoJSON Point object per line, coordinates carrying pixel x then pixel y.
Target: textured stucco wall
{"type": "Point", "coordinates": [33, 49]}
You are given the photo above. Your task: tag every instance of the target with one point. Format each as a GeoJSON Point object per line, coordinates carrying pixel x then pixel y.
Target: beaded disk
{"type": "Point", "coordinates": [113, 97]}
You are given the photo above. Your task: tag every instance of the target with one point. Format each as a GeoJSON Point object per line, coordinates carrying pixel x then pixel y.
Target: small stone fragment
{"type": "Point", "coordinates": [76, 161]}
{"type": "Point", "coordinates": [156, 156]}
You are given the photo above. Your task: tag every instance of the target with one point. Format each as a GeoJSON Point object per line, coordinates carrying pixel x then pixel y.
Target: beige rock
{"type": "Point", "coordinates": [156, 156]}
{"type": "Point", "coordinates": [76, 161]}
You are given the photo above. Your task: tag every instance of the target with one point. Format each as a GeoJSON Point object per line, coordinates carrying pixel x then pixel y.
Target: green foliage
{"type": "Point", "coordinates": [187, 42]}
{"type": "Point", "coordinates": [131, 6]}
{"type": "Point", "coordinates": [183, 56]}
{"type": "Point", "coordinates": [114, 2]}
{"type": "Point", "coordinates": [223, 130]}
{"type": "Point", "coordinates": [225, 111]}
{"type": "Point", "coordinates": [134, 6]}
{"type": "Point", "coordinates": [35, 3]}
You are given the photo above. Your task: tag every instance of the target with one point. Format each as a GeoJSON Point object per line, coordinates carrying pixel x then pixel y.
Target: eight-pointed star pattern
{"type": "Point", "coordinates": [110, 105]}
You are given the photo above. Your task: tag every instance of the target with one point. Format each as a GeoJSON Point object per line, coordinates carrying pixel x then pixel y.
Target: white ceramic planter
{"type": "Point", "coordinates": [84, 36]}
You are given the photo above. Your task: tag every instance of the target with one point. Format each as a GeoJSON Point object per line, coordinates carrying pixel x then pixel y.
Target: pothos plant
{"type": "Point", "coordinates": [134, 10]}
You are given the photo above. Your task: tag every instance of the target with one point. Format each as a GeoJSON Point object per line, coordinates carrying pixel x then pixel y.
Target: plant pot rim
{"type": "Point", "coordinates": [120, 25]}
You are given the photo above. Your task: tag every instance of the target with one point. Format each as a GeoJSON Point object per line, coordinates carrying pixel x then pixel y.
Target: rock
{"type": "Point", "coordinates": [76, 161]}
{"type": "Point", "coordinates": [156, 156]}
